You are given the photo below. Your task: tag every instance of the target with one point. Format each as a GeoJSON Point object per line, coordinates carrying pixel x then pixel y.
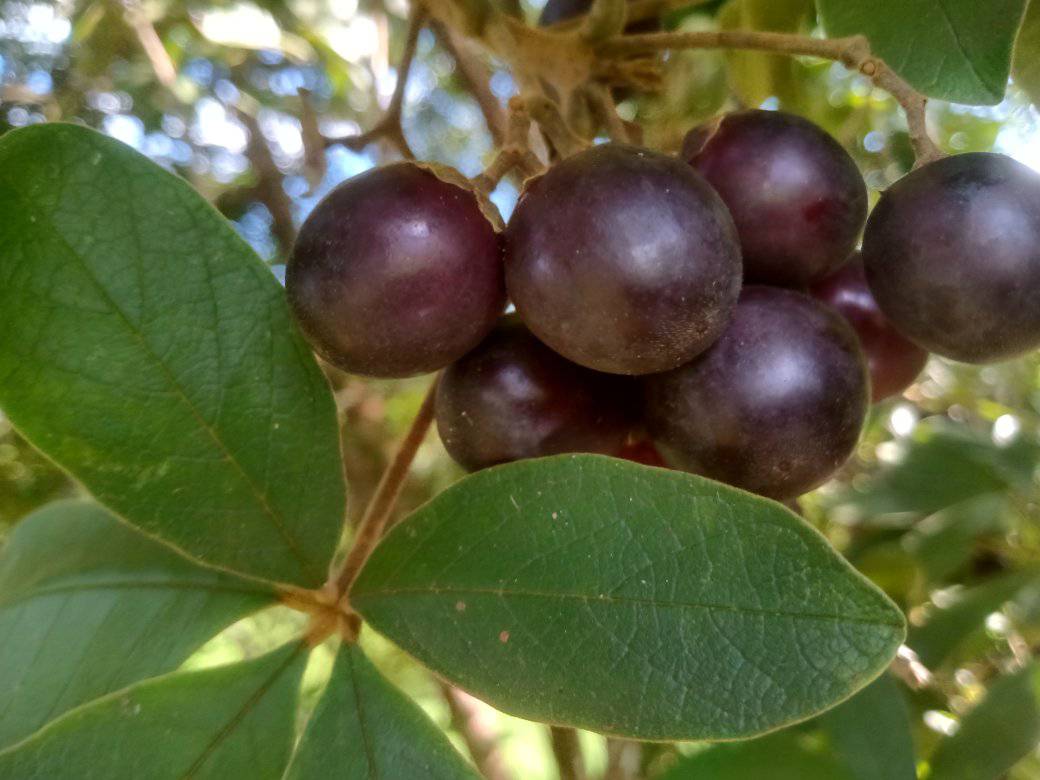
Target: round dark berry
{"type": "Point", "coordinates": [952, 255]}
{"type": "Point", "coordinates": [512, 397]}
{"type": "Point", "coordinates": [774, 407]}
{"type": "Point", "coordinates": [623, 260]}
{"type": "Point", "coordinates": [796, 196]}
{"type": "Point", "coordinates": [395, 273]}
{"type": "Point", "coordinates": [893, 359]}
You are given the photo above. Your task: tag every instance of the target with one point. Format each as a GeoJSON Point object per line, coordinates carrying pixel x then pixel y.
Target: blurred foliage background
{"type": "Point", "coordinates": [939, 506]}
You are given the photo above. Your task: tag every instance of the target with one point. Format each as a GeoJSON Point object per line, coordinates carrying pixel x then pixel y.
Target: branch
{"type": "Point", "coordinates": [605, 110]}
{"type": "Point", "coordinates": [376, 520]}
{"type": "Point", "coordinates": [853, 52]}
{"type": "Point", "coordinates": [389, 127]}
{"type": "Point", "coordinates": [481, 742]}
{"type": "Point", "coordinates": [567, 751]}
{"type": "Point", "coordinates": [623, 759]}
{"type": "Point", "coordinates": [269, 187]}
{"type": "Point", "coordinates": [604, 19]}
{"type": "Point", "coordinates": [475, 77]}
{"type": "Point", "coordinates": [158, 57]}
{"type": "Point", "coordinates": [536, 56]}
{"type": "Point", "coordinates": [547, 114]}
{"type": "Point", "coordinates": [515, 153]}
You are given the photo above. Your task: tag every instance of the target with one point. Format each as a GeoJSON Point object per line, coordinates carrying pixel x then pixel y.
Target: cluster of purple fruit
{"type": "Point", "coordinates": [712, 302]}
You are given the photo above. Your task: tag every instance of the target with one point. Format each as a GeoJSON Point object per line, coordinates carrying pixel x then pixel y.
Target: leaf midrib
{"type": "Point", "coordinates": [239, 716]}
{"type": "Point", "coordinates": [610, 599]}
{"type": "Point", "coordinates": [370, 759]}
{"type": "Point", "coordinates": [276, 518]}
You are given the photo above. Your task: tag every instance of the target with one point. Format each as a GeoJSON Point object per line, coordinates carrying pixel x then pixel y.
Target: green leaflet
{"type": "Point", "coordinates": [88, 606]}
{"type": "Point", "coordinates": [365, 729]}
{"type": "Point", "coordinates": [1026, 64]}
{"type": "Point", "coordinates": [593, 592]}
{"type": "Point", "coordinates": [871, 733]}
{"type": "Point", "coordinates": [947, 628]}
{"type": "Point", "coordinates": [1002, 729]}
{"type": "Point", "coordinates": [948, 49]}
{"type": "Point", "coordinates": [234, 721]}
{"type": "Point", "coordinates": [147, 350]}
{"type": "Point", "coordinates": [781, 756]}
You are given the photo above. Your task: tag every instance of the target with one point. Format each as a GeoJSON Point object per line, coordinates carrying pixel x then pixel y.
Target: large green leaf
{"type": "Point", "coordinates": [593, 592]}
{"type": "Point", "coordinates": [365, 729]}
{"type": "Point", "coordinates": [147, 350]}
{"type": "Point", "coordinates": [949, 49]}
{"type": "Point", "coordinates": [782, 756]}
{"type": "Point", "coordinates": [871, 733]}
{"type": "Point", "coordinates": [234, 721]}
{"type": "Point", "coordinates": [1026, 66]}
{"type": "Point", "coordinates": [1001, 730]}
{"type": "Point", "coordinates": [947, 628]}
{"type": "Point", "coordinates": [88, 606]}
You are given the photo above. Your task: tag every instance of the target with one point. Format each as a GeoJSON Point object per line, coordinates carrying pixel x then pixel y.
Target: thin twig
{"type": "Point", "coordinates": [269, 186]}
{"type": "Point", "coordinates": [389, 127]}
{"type": "Point", "coordinates": [481, 742]}
{"type": "Point", "coordinates": [908, 668]}
{"type": "Point", "coordinates": [515, 152]}
{"type": "Point", "coordinates": [548, 116]}
{"type": "Point", "coordinates": [162, 65]}
{"type": "Point", "coordinates": [605, 110]}
{"type": "Point", "coordinates": [567, 751]}
{"type": "Point", "coordinates": [604, 19]}
{"type": "Point", "coordinates": [376, 520]}
{"type": "Point", "coordinates": [853, 52]}
{"type": "Point", "coordinates": [623, 759]}
{"type": "Point", "coordinates": [314, 161]}
{"type": "Point", "coordinates": [475, 77]}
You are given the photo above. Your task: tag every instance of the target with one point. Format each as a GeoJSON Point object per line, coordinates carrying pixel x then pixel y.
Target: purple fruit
{"type": "Point", "coordinates": [623, 260]}
{"type": "Point", "coordinates": [512, 397]}
{"type": "Point", "coordinates": [396, 273]}
{"type": "Point", "coordinates": [796, 196]}
{"type": "Point", "coordinates": [952, 255]}
{"type": "Point", "coordinates": [894, 361]}
{"type": "Point", "coordinates": [774, 407]}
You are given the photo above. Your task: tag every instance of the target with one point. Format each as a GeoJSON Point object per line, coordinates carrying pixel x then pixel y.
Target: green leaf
{"type": "Point", "coordinates": [871, 733]}
{"type": "Point", "coordinates": [148, 351]}
{"type": "Point", "coordinates": [88, 606]}
{"type": "Point", "coordinates": [947, 49]}
{"type": "Point", "coordinates": [365, 729]}
{"type": "Point", "coordinates": [944, 466]}
{"type": "Point", "coordinates": [756, 76]}
{"type": "Point", "coordinates": [947, 628]}
{"type": "Point", "coordinates": [234, 721]}
{"type": "Point", "coordinates": [1001, 730]}
{"type": "Point", "coordinates": [1026, 65]}
{"type": "Point", "coordinates": [783, 756]}
{"type": "Point", "coordinates": [592, 592]}
{"type": "Point", "coordinates": [944, 543]}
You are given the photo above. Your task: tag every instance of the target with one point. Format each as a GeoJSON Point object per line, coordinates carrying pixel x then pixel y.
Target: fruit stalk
{"type": "Point", "coordinates": [389, 127]}
{"type": "Point", "coordinates": [375, 521]}
{"type": "Point", "coordinates": [853, 52]}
